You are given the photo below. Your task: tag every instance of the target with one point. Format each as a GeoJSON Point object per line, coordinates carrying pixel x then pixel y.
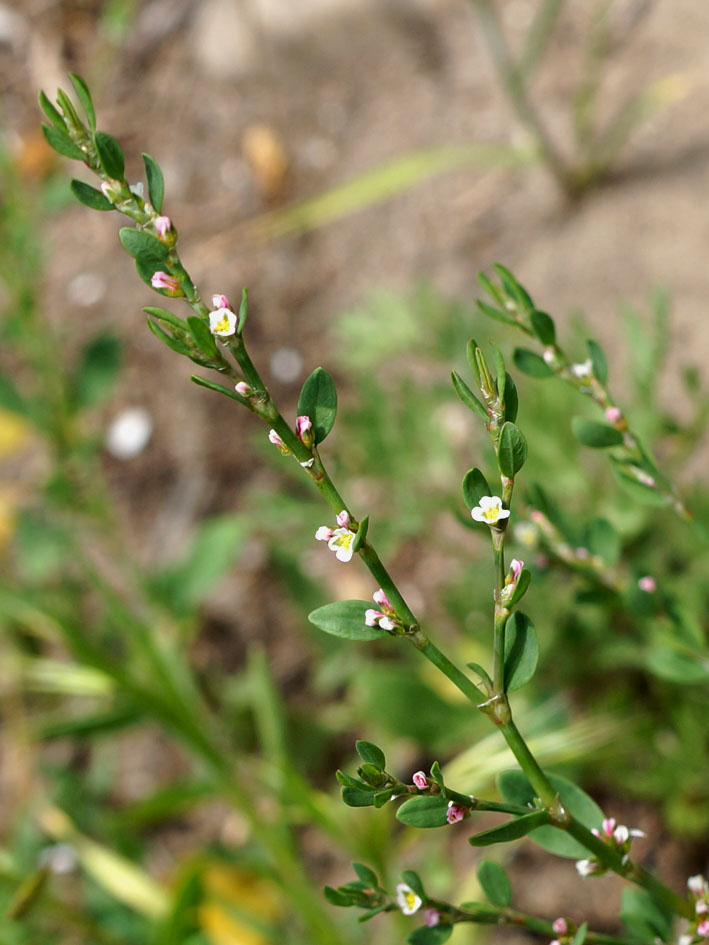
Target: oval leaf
{"type": "Point", "coordinates": [90, 197]}
{"type": "Point", "coordinates": [203, 337]}
{"type": "Point", "coordinates": [521, 651]}
{"type": "Point", "coordinates": [345, 619]}
{"type": "Point", "coordinates": [495, 313]}
{"type": "Point", "coordinates": [495, 883]}
{"type": "Point", "coordinates": [142, 245]}
{"type": "Point", "coordinates": [371, 754]}
{"type": "Point", "coordinates": [367, 876]}
{"type": "Point", "coordinates": [594, 434]}
{"type": "Point", "coordinates": [423, 811]}
{"type": "Point", "coordinates": [356, 797]}
{"type": "Point", "coordinates": [51, 112]}
{"type": "Point", "coordinates": [515, 789]}
{"type": "Point", "coordinates": [413, 881]}
{"type": "Point", "coordinates": [521, 585]}
{"type": "Point", "coordinates": [511, 399]}
{"type": "Point", "coordinates": [84, 96]}
{"type": "Point", "coordinates": [110, 154]}
{"type": "Point", "coordinates": [475, 486]}
{"type": "Point", "coordinates": [512, 830]}
{"type": "Point", "coordinates": [430, 934]}
{"type": "Point", "coordinates": [530, 363]}
{"type": "Point", "coordinates": [598, 361]}
{"type": "Point", "coordinates": [543, 327]}
{"type": "Point", "coordinates": [318, 400]}
{"type": "Point", "coordinates": [511, 450]}
{"type": "Point", "coordinates": [156, 184]}
{"type": "Point", "coordinates": [62, 143]}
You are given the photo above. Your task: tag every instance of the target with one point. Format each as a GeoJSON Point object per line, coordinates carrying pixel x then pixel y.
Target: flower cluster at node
{"type": "Point", "coordinates": [164, 282]}
{"type": "Point", "coordinates": [511, 578]}
{"type": "Point", "coordinates": [699, 926]}
{"type": "Point", "coordinates": [407, 900]}
{"type": "Point", "coordinates": [341, 539]}
{"type": "Point", "coordinates": [385, 618]}
{"type": "Point", "coordinates": [618, 837]}
{"type": "Point", "coordinates": [420, 780]}
{"type": "Point", "coordinates": [561, 928]}
{"type": "Point", "coordinates": [490, 510]}
{"type": "Point", "coordinates": [431, 917]}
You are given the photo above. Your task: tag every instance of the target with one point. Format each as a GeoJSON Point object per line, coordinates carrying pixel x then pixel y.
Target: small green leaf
{"type": "Point", "coordinates": [203, 337]}
{"type": "Point", "coordinates": [495, 883]}
{"type": "Point", "coordinates": [482, 673]}
{"type": "Point", "coordinates": [496, 313]}
{"type": "Point", "coordinates": [581, 933]}
{"type": "Point", "coordinates": [156, 184]}
{"type": "Point", "coordinates": [468, 397]}
{"type": "Point", "coordinates": [354, 797]}
{"type": "Point", "coordinates": [423, 811]}
{"type": "Point", "coordinates": [594, 434]}
{"type": "Point", "coordinates": [169, 340]}
{"type": "Point", "coordinates": [413, 881]}
{"type": "Point", "coordinates": [243, 311]}
{"type": "Point", "coordinates": [51, 112]}
{"type": "Point", "coordinates": [513, 288]}
{"type": "Point", "coordinates": [686, 669]}
{"type": "Point", "coordinates": [98, 370]}
{"type": "Point", "coordinates": [598, 361]}
{"type": "Point", "coordinates": [62, 143]}
{"type": "Point", "coordinates": [336, 898]}
{"type": "Point", "coordinates": [110, 154]}
{"type": "Point", "coordinates": [521, 585]}
{"type": "Point", "coordinates": [143, 245]}
{"type": "Point", "coordinates": [521, 651]}
{"type": "Point", "coordinates": [531, 364]}
{"type": "Point", "coordinates": [472, 360]}
{"type": "Point", "coordinates": [345, 619]}
{"type": "Point", "coordinates": [543, 327]}
{"type": "Point", "coordinates": [219, 388]}
{"type": "Point", "coordinates": [163, 315]}
{"type": "Point", "coordinates": [431, 935]}
{"type": "Point", "coordinates": [368, 877]}
{"type": "Point", "coordinates": [511, 399]}
{"type": "Point", "coordinates": [318, 400]}
{"type": "Point", "coordinates": [493, 290]}
{"type": "Point", "coordinates": [515, 789]}
{"type": "Point", "coordinates": [511, 450]}
{"type": "Point", "coordinates": [361, 535]}
{"type": "Point", "coordinates": [82, 91]}
{"type": "Point", "coordinates": [475, 486]}
{"type": "Point", "coordinates": [89, 196]}
{"type": "Point", "coordinates": [371, 754]}
{"type": "Point", "coordinates": [641, 492]}
{"type": "Point", "coordinates": [436, 774]}
{"type": "Point", "coordinates": [512, 830]}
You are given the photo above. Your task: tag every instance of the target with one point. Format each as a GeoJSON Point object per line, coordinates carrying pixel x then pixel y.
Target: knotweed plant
{"type": "Point", "coordinates": [550, 810]}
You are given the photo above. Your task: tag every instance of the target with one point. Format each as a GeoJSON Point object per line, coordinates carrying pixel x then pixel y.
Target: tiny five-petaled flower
{"type": "Point", "coordinates": [490, 510]}
{"type": "Point", "coordinates": [407, 900]}
{"type": "Point", "coordinates": [222, 322]}
{"type": "Point", "coordinates": [340, 540]}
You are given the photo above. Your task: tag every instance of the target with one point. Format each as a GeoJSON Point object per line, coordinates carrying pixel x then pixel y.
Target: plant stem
{"type": "Point", "coordinates": [500, 615]}
{"type": "Point", "coordinates": [489, 914]}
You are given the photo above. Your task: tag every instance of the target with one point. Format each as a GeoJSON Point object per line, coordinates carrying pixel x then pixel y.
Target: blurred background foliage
{"type": "Point", "coordinates": [169, 777]}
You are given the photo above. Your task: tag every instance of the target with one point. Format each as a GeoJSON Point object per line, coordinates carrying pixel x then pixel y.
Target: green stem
{"type": "Point", "coordinates": [449, 669]}
{"type": "Point", "coordinates": [529, 764]}
{"type": "Point", "coordinates": [500, 615]}
{"type": "Point", "coordinates": [496, 915]}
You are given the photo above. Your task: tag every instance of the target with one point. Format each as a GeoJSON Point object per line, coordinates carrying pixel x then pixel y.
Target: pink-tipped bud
{"type": "Point", "coordinates": [275, 438]}
{"type": "Point", "coordinates": [220, 301]}
{"type": "Point", "coordinates": [343, 519]}
{"type": "Point", "coordinates": [163, 227]}
{"type": "Point", "coordinates": [431, 917]}
{"type": "Point", "coordinates": [243, 389]}
{"type": "Point", "coordinates": [371, 616]}
{"type": "Point", "coordinates": [304, 431]}
{"type": "Point", "coordinates": [703, 928]}
{"type": "Point", "coordinates": [455, 813]}
{"type": "Point", "coordinates": [702, 907]}
{"type": "Point", "coordinates": [379, 597]}
{"type": "Point", "coordinates": [695, 884]}
{"type": "Point", "coordinates": [420, 780]}
{"type": "Point", "coordinates": [165, 282]}
{"type": "Point", "coordinates": [325, 534]}
{"type": "Point", "coordinates": [386, 623]}
{"type": "Point", "coordinates": [608, 826]}
{"type": "Point", "coordinates": [515, 567]}
{"type": "Point", "coordinates": [613, 415]}
{"type": "Point", "coordinates": [621, 835]}
{"type": "Point", "coordinates": [647, 584]}
{"type": "Point", "coordinates": [560, 926]}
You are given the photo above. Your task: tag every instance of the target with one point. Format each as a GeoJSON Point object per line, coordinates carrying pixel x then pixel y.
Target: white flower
{"type": "Point", "coordinates": [137, 189]}
{"type": "Point", "coordinates": [342, 543]}
{"type": "Point", "coordinates": [407, 900]}
{"type": "Point", "coordinates": [490, 510]}
{"type": "Point", "coordinates": [222, 322]}
{"type": "Point", "coordinates": [129, 433]}
{"type": "Point", "coordinates": [582, 370]}
{"type": "Point", "coordinates": [324, 533]}
{"type": "Point", "coordinates": [586, 867]}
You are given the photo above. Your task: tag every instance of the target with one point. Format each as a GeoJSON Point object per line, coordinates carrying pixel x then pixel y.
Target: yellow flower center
{"type": "Point", "coordinates": [222, 324]}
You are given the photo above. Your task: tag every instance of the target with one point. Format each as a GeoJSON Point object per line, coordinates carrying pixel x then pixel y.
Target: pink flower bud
{"type": "Point", "coordinates": [386, 623]}
{"type": "Point", "coordinates": [242, 388]}
{"type": "Point", "coordinates": [379, 597]}
{"type": "Point", "coordinates": [455, 813]}
{"type": "Point", "coordinates": [431, 917]}
{"type": "Point", "coordinates": [343, 519]}
{"type": "Point", "coordinates": [163, 226]}
{"type": "Point", "coordinates": [560, 926]}
{"type": "Point", "coordinates": [325, 534]}
{"type": "Point", "coordinates": [304, 430]}
{"type": "Point", "coordinates": [695, 884]}
{"type": "Point", "coordinates": [621, 835]}
{"type": "Point", "coordinates": [608, 826]}
{"type": "Point", "coordinates": [702, 907]}
{"type": "Point", "coordinates": [277, 441]}
{"type": "Point", "coordinates": [703, 928]}
{"type": "Point", "coordinates": [420, 780]}
{"type": "Point", "coordinates": [613, 415]}
{"type": "Point", "coordinates": [647, 584]}
{"type": "Point", "coordinates": [162, 280]}
{"type": "Point", "coordinates": [515, 567]}
{"type": "Point", "coordinates": [220, 301]}
{"type": "Point", "coordinates": [371, 616]}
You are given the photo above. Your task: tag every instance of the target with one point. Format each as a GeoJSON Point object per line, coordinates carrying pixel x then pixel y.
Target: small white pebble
{"type": "Point", "coordinates": [286, 365]}
{"type": "Point", "coordinates": [86, 289]}
{"type": "Point", "coordinates": [129, 433]}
